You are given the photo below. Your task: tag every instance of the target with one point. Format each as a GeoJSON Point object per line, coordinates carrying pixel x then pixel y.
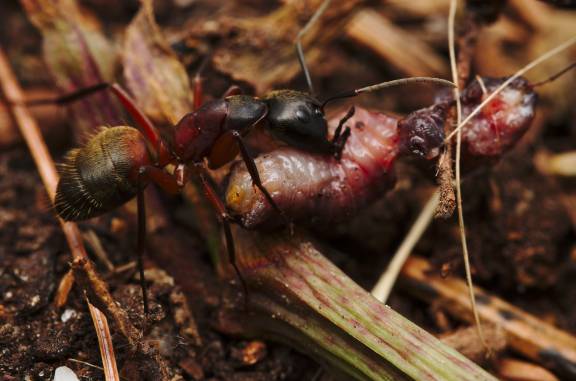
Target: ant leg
{"type": "Point", "coordinates": [197, 82]}
{"type": "Point", "coordinates": [232, 90]}
{"type": "Point", "coordinates": [341, 123]}
{"type": "Point", "coordinates": [339, 139]}
{"type": "Point", "coordinates": [225, 220]}
{"type": "Point", "coordinates": [141, 242]}
{"type": "Point", "coordinates": [299, 51]}
{"type": "Point", "coordinates": [129, 104]}
{"type": "Point", "coordinates": [341, 143]}
{"type": "Point", "coordinates": [197, 86]}
{"type": "Point", "coordinates": [253, 171]}
{"type": "Point", "coordinates": [169, 184]}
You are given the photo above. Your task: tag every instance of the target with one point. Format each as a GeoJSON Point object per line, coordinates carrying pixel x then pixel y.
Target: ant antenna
{"type": "Point", "coordinates": [299, 49]}
{"type": "Point", "coordinates": [383, 85]}
{"type": "Point", "coordinates": [555, 76]}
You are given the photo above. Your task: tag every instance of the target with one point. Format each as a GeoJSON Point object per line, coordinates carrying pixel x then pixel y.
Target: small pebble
{"type": "Point", "coordinates": [63, 373]}
{"type": "Point", "coordinates": [67, 315]}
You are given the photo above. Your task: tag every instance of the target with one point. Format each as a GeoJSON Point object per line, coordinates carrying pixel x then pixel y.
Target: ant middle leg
{"type": "Point", "coordinates": [141, 240]}
{"type": "Point", "coordinates": [225, 220]}
{"type": "Point", "coordinates": [253, 171]}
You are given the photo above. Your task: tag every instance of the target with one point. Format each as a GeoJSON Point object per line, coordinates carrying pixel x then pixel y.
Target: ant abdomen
{"type": "Point", "coordinates": [102, 175]}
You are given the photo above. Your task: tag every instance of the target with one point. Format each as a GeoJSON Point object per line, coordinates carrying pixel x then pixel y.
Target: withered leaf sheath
{"type": "Point", "coordinates": [102, 175]}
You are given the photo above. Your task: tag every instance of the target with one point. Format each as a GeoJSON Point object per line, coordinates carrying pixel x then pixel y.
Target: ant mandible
{"type": "Point", "coordinates": [119, 162]}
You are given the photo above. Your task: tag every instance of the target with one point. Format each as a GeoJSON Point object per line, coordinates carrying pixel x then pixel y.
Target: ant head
{"type": "Point", "coordinates": [297, 119]}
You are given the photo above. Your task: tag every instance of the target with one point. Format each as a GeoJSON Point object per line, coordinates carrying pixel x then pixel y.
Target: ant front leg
{"type": "Point", "coordinates": [339, 139]}
{"type": "Point", "coordinates": [253, 171]}
{"type": "Point", "coordinates": [225, 220]}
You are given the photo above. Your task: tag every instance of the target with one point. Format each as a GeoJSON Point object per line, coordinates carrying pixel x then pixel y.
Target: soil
{"type": "Point", "coordinates": [37, 337]}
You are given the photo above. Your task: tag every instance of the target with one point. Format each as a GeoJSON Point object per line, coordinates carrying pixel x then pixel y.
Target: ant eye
{"type": "Point", "coordinates": [303, 115]}
{"type": "Point", "coordinates": [318, 112]}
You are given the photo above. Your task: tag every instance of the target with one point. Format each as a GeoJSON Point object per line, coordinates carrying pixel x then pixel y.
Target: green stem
{"type": "Point", "coordinates": [299, 297]}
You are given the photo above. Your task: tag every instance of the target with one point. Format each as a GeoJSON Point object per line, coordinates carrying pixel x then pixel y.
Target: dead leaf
{"type": "Point", "coordinates": [154, 75]}
{"type": "Point", "coordinates": [78, 55]}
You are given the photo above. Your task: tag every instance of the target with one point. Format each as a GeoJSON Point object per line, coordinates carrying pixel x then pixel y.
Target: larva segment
{"type": "Point", "coordinates": [305, 184]}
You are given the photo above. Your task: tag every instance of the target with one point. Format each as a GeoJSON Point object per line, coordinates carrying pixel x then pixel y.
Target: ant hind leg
{"type": "Point", "coordinates": [144, 123]}
{"type": "Point", "coordinates": [141, 241]}
{"type": "Point", "coordinates": [225, 220]}
{"type": "Point", "coordinates": [170, 185]}
{"type": "Point", "coordinates": [253, 171]}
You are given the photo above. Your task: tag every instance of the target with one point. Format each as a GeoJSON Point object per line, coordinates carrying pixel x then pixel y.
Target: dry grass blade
{"type": "Point", "coordinates": [383, 287]}
{"type": "Point", "coordinates": [395, 45]}
{"type": "Point", "coordinates": [31, 133]}
{"type": "Point", "coordinates": [105, 343]}
{"type": "Point", "coordinates": [455, 77]}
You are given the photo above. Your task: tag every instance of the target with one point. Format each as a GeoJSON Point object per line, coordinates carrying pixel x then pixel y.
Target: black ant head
{"type": "Point", "coordinates": [297, 119]}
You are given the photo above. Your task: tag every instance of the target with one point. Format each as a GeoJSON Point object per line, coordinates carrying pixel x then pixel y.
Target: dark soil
{"type": "Point", "coordinates": [36, 337]}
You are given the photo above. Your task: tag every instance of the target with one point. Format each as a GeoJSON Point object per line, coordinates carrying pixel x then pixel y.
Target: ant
{"type": "Point", "coordinates": [117, 163]}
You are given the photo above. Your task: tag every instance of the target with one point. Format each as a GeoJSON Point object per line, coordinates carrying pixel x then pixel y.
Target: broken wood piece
{"type": "Point", "coordinates": [64, 288]}
{"type": "Point", "coordinates": [400, 48]}
{"type": "Point", "coordinates": [98, 294]}
{"type": "Point", "coordinates": [262, 51]}
{"type": "Point", "coordinates": [465, 341]}
{"type": "Point", "coordinates": [527, 334]}
{"type": "Point", "coordinates": [516, 370]}
{"type": "Point", "coordinates": [558, 164]}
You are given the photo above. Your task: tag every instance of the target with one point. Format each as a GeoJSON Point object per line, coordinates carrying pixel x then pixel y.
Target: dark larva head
{"type": "Point", "coordinates": [102, 175]}
{"type": "Point", "coordinates": [421, 133]}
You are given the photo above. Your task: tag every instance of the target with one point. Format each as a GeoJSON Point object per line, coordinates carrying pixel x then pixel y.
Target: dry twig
{"type": "Point", "coordinates": [460, 73]}
{"type": "Point", "coordinates": [383, 287]}
{"type": "Point", "coordinates": [394, 45]}
{"type": "Point", "coordinates": [526, 334]}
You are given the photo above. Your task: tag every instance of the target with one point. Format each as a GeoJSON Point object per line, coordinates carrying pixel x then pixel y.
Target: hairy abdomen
{"type": "Point", "coordinates": [102, 175]}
